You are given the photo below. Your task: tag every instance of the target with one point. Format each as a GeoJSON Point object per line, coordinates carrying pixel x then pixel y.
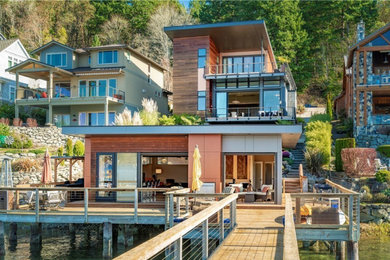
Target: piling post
{"type": "Point", "coordinates": [125, 235]}
{"type": "Point", "coordinates": [13, 232]}
{"type": "Point", "coordinates": [36, 234]}
{"type": "Point", "coordinates": [107, 240]}
{"type": "Point", "coordinates": [353, 250]}
{"type": "Point", "coordinates": [115, 232]}
{"type": "Point", "coordinates": [340, 250]}
{"type": "Point", "coordinates": [2, 244]}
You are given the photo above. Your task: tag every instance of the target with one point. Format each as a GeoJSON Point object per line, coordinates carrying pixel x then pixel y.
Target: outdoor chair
{"type": "Point", "coordinates": [263, 193]}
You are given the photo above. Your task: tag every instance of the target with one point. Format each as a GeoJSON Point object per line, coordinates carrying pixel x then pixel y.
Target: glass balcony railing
{"type": "Point", "coordinates": [251, 113]}
{"type": "Point", "coordinates": [239, 68]}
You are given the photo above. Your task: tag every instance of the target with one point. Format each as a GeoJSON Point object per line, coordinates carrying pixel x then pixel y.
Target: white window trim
{"type": "Point", "coordinates": [97, 86]}
{"type": "Point", "coordinates": [54, 53]}
{"type": "Point", "coordinates": [103, 63]}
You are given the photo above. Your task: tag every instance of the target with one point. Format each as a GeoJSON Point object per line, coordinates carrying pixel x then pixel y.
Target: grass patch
{"type": "Point", "coordinates": [372, 230]}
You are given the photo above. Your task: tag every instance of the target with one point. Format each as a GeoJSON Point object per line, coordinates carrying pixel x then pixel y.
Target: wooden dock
{"type": "Point", "coordinates": [258, 235]}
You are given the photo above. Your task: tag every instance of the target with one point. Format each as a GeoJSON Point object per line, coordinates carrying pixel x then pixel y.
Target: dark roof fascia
{"type": "Point", "coordinates": [168, 130]}
{"type": "Point", "coordinates": [210, 25]}
{"type": "Point", "coordinates": [38, 50]}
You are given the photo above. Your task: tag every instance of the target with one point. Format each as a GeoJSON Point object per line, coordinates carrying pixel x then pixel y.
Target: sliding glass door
{"type": "Point", "coordinates": [105, 176]}
{"type": "Point", "coordinates": [221, 104]}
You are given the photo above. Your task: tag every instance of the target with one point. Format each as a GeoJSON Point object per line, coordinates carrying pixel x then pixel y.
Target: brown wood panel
{"type": "Point", "coordinates": [365, 108]}
{"type": "Point", "coordinates": [185, 71]}
{"type": "Point", "coordinates": [365, 67]}
{"type": "Point", "coordinates": [130, 144]}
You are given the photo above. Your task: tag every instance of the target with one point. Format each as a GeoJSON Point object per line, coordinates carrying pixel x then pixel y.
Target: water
{"type": "Point", "coordinates": [57, 243]}
{"type": "Point", "coordinates": [369, 248]}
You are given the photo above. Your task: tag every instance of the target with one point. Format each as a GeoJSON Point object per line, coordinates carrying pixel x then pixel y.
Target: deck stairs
{"type": "Point", "coordinates": [292, 185]}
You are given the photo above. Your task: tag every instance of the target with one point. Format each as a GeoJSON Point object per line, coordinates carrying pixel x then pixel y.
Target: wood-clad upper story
{"type": "Point", "coordinates": [238, 53]}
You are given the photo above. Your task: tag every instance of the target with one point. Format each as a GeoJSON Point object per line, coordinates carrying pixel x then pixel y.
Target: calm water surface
{"type": "Point", "coordinates": [369, 248]}
{"type": "Point", "coordinates": [57, 243]}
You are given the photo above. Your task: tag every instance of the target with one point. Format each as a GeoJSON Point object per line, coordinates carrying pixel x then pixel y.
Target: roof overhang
{"type": "Point", "coordinates": [290, 133]}
{"type": "Point", "coordinates": [38, 50]}
{"type": "Point", "coordinates": [38, 70]}
{"type": "Point", "coordinates": [230, 36]}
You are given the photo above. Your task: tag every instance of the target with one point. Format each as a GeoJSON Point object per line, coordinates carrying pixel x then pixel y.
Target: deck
{"type": "Point", "coordinates": [258, 235]}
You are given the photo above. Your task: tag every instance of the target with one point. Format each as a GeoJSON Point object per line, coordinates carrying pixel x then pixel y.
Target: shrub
{"type": "Point", "coordinates": [320, 117]}
{"type": "Point", "coordinates": [288, 160]}
{"type": "Point", "coordinates": [4, 130]}
{"type": "Point", "coordinates": [380, 198]}
{"type": "Point", "coordinates": [149, 114]}
{"type": "Point", "coordinates": [284, 122]}
{"type": "Point", "coordinates": [314, 159]}
{"type": "Point", "coordinates": [25, 165]}
{"type": "Point", "coordinates": [342, 143]}
{"type": "Point", "coordinates": [300, 121]}
{"type": "Point", "coordinates": [185, 119]}
{"type": "Point", "coordinates": [167, 120]}
{"type": "Point", "coordinates": [40, 115]}
{"type": "Point", "coordinates": [60, 152]}
{"type": "Point", "coordinates": [18, 141]}
{"type": "Point", "coordinates": [387, 192]}
{"type": "Point", "coordinates": [37, 151]}
{"type": "Point", "coordinates": [365, 188]}
{"type": "Point", "coordinates": [124, 118]}
{"type": "Point", "coordinates": [69, 147]}
{"type": "Point", "coordinates": [367, 197]}
{"type": "Point", "coordinates": [319, 136]}
{"type": "Point", "coordinates": [78, 149]}
{"type": "Point", "coordinates": [384, 150]}
{"type": "Point", "coordinates": [329, 106]}
{"type": "Point", "coordinates": [382, 176]}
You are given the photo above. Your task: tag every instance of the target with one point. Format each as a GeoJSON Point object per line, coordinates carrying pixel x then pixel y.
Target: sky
{"type": "Point", "coordinates": [186, 3]}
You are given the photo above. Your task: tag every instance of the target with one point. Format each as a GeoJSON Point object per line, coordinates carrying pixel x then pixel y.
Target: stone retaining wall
{"type": "Point", "coordinates": [377, 213]}
{"type": "Point", "coordinates": [45, 136]}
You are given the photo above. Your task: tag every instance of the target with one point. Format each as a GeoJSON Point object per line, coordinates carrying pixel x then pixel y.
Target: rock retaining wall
{"type": "Point", "coordinates": [377, 213]}
{"type": "Point", "coordinates": [45, 136]}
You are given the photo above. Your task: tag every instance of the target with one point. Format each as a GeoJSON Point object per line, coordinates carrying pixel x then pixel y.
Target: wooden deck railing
{"type": "Point", "coordinates": [209, 227]}
{"type": "Point", "coordinates": [290, 243]}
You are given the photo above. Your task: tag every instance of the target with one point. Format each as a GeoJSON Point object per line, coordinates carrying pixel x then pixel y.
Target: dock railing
{"type": "Point", "coordinates": [72, 205]}
{"type": "Point", "coordinates": [290, 243]}
{"type": "Point", "coordinates": [194, 238]}
{"type": "Point", "coordinates": [333, 216]}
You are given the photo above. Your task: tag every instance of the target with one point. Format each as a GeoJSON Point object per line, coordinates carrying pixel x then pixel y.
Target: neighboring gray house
{"type": "Point", "coordinates": [12, 52]}
{"type": "Point", "coordinates": [89, 86]}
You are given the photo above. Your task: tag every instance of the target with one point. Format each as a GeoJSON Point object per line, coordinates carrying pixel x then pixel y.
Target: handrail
{"type": "Point", "coordinates": [290, 243]}
{"type": "Point", "coordinates": [83, 188]}
{"type": "Point", "coordinates": [321, 195]}
{"type": "Point", "coordinates": [340, 188]}
{"type": "Point", "coordinates": [153, 246]}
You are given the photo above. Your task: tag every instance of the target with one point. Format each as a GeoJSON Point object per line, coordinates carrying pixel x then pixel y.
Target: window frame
{"type": "Point", "coordinates": [203, 56]}
{"type": "Point", "coordinates": [58, 53]}
{"type": "Point", "coordinates": [112, 56]}
{"type": "Point", "coordinates": [12, 87]}
{"type": "Point", "coordinates": [202, 96]}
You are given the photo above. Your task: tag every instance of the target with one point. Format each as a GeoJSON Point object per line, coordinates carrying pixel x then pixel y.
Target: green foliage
{"type": "Point", "coordinates": [185, 119]}
{"type": "Point", "coordinates": [314, 160]}
{"type": "Point", "coordinates": [387, 192]}
{"type": "Point", "coordinates": [37, 151]}
{"type": "Point", "coordinates": [20, 141]}
{"type": "Point", "coordinates": [320, 117]}
{"type": "Point", "coordinates": [288, 160]}
{"type": "Point", "coordinates": [284, 122]}
{"type": "Point", "coordinates": [39, 115]}
{"type": "Point", "coordinates": [167, 120]}
{"type": "Point", "coordinates": [380, 198]}
{"type": "Point", "coordinates": [69, 147]}
{"type": "Point", "coordinates": [60, 152]}
{"type": "Point", "coordinates": [329, 106]}
{"type": "Point", "coordinates": [384, 150]}
{"type": "Point", "coordinates": [4, 130]}
{"type": "Point", "coordinates": [365, 188]}
{"type": "Point", "coordinates": [149, 114]}
{"type": "Point", "coordinates": [7, 111]}
{"type": "Point", "coordinates": [319, 138]}
{"type": "Point", "coordinates": [78, 149]}
{"type": "Point", "coordinates": [382, 176]}
{"type": "Point", "coordinates": [342, 143]}
{"type": "Point", "coordinates": [301, 121]}
{"type": "Point", "coordinates": [367, 197]}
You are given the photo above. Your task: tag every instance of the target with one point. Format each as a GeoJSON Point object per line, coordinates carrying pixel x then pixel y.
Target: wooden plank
{"type": "Point", "coordinates": [290, 243]}
{"type": "Point", "coordinates": [340, 188]}
{"type": "Point", "coordinates": [160, 242]}
{"type": "Point", "coordinates": [365, 108]}
{"type": "Point", "coordinates": [365, 67]}
{"type": "Point", "coordinates": [322, 234]}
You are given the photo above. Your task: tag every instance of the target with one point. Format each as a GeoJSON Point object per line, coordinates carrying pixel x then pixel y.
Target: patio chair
{"type": "Point", "coordinates": [263, 193]}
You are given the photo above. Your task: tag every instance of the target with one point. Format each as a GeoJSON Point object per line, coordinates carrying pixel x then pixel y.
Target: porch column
{"type": "Point", "coordinates": [17, 85]}
{"type": "Point", "coordinates": [50, 89]}
{"type": "Point", "coordinates": [278, 175]}
{"type": "Point", "coordinates": [16, 111]}
{"type": "Point", "coordinates": [106, 112]}
{"type": "Point", "coordinates": [50, 116]}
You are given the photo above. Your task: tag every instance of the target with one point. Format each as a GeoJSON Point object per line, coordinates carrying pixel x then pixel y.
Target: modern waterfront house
{"type": "Point", "coordinates": [240, 142]}
{"type": "Point", "coordinates": [12, 52]}
{"type": "Point", "coordinates": [88, 86]}
{"type": "Point", "coordinates": [366, 87]}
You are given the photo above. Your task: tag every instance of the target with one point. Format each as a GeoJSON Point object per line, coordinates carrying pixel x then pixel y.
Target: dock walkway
{"type": "Point", "coordinates": [258, 235]}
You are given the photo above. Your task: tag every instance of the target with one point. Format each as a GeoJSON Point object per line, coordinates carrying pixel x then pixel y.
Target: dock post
{"type": "Point", "coordinates": [2, 244]}
{"type": "Point", "coordinates": [36, 237]}
{"type": "Point", "coordinates": [125, 235]}
{"type": "Point", "coordinates": [13, 232]}
{"type": "Point", "coordinates": [340, 250]}
{"type": "Point", "coordinates": [107, 240]}
{"type": "Point", "coordinates": [353, 250]}
{"type": "Point", "coordinates": [115, 232]}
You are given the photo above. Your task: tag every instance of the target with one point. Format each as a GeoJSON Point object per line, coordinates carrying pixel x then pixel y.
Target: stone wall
{"type": "Point", "coordinates": [34, 177]}
{"type": "Point", "coordinates": [45, 136]}
{"type": "Point", "coordinates": [377, 213]}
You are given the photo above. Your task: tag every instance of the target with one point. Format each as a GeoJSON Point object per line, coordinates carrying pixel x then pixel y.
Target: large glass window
{"type": "Point", "coordinates": [12, 93]}
{"type": "Point", "coordinates": [96, 119]}
{"type": "Point", "coordinates": [221, 104]}
{"type": "Point", "coordinates": [201, 100]}
{"type": "Point", "coordinates": [240, 64]}
{"type": "Point", "coordinates": [83, 118]}
{"type": "Point", "coordinates": [126, 175]}
{"type": "Point", "coordinates": [272, 100]}
{"type": "Point", "coordinates": [202, 58]}
{"type": "Point", "coordinates": [56, 59]}
{"type": "Point", "coordinates": [83, 88]}
{"type": "Point", "coordinates": [62, 90]}
{"type": "Point", "coordinates": [61, 120]}
{"type": "Point", "coordinates": [108, 57]}
{"type": "Point", "coordinates": [92, 88]}
{"type": "Point", "coordinates": [105, 175]}
{"type": "Point", "coordinates": [9, 62]}
{"type": "Point", "coordinates": [102, 88]}
{"type": "Point", "coordinates": [112, 86]}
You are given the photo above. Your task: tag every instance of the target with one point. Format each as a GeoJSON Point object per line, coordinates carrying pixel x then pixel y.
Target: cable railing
{"type": "Point", "coordinates": [246, 113]}
{"type": "Point", "coordinates": [196, 237]}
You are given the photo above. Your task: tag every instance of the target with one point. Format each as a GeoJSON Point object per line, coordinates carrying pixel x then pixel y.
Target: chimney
{"type": "Point", "coordinates": [360, 31]}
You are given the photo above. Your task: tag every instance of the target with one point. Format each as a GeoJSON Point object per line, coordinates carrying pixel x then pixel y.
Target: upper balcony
{"type": "Point", "coordinates": [246, 69]}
